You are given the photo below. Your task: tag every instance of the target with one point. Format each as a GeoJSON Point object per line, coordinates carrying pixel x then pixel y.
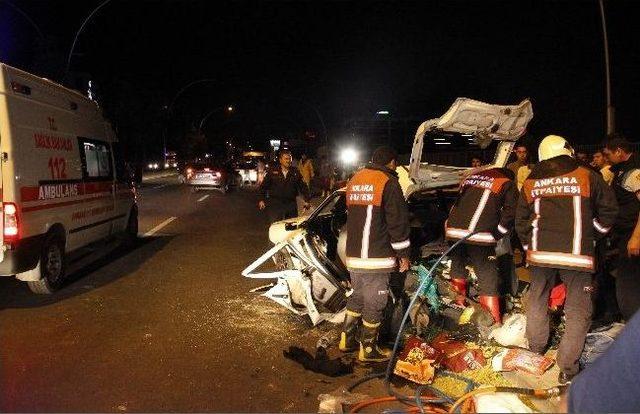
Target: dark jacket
{"type": "Point", "coordinates": [281, 189]}
{"type": "Point", "coordinates": [486, 204]}
{"type": "Point", "coordinates": [626, 185]}
{"type": "Point", "coordinates": [562, 208]}
{"type": "Point", "coordinates": [377, 221]}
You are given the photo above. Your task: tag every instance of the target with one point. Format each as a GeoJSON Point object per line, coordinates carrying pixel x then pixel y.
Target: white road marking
{"type": "Point", "coordinates": [203, 198]}
{"type": "Point", "coordinates": [159, 186]}
{"type": "Point", "coordinates": [159, 227]}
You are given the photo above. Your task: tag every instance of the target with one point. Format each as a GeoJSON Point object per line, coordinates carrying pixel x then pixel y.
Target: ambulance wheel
{"type": "Point", "coordinates": [51, 266]}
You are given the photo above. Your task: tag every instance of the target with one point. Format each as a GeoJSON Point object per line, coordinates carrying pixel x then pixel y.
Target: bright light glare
{"type": "Point", "coordinates": [230, 108]}
{"type": "Point", "coordinates": [382, 112]}
{"type": "Point", "coordinates": [349, 156]}
{"type": "Point", "coordinates": [166, 165]}
{"type": "Point", "coordinates": [9, 209]}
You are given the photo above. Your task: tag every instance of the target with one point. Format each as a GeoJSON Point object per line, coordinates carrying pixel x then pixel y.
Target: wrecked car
{"type": "Point", "coordinates": [308, 253]}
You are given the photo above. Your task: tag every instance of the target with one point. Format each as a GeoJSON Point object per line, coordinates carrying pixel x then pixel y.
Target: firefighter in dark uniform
{"type": "Point", "coordinates": [626, 231]}
{"type": "Point", "coordinates": [563, 207]}
{"type": "Point", "coordinates": [279, 190]}
{"type": "Point", "coordinates": [487, 207]}
{"type": "Point", "coordinates": [377, 239]}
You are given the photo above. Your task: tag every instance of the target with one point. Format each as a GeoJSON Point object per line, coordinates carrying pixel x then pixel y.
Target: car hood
{"type": "Point", "coordinates": [278, 233]}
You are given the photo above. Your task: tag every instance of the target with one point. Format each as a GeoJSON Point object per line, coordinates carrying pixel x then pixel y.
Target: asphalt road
{"type": "Point", "coordinates": [167, 326]}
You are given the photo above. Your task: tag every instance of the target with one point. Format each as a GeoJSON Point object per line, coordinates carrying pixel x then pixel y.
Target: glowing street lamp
{"type": "Point", "coordinates": [349, 156]}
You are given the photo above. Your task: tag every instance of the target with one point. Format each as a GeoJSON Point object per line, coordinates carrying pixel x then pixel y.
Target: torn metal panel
{"type": "Point", "coordinates": [308, 287]}
{"type": "Point", "coordinates": [483, 121]}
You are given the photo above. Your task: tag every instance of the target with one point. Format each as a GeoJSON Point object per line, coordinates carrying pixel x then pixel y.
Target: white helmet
{"type": "Point", "coordinates": [553, 146]}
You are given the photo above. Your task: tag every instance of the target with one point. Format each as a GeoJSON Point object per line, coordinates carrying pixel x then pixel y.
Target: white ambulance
{"type": "Point", "coordinates": [63, 186]}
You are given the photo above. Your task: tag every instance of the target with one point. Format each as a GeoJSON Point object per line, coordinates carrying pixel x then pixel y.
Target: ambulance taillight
{"type": "Point", "coordinates": [10, 222]}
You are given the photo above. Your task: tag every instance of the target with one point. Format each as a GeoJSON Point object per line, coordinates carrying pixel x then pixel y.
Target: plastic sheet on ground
{"type": "Point", "coordinates": [598, 342]}
{"type": "Point", "coordinates": [512, 331]}
{"type": "Point", "coordinates": [500, 402]}
{"type": "Point", "coordinates": [333, 402]}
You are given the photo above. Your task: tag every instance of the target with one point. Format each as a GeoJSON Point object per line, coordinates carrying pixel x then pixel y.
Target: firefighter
{"type": "Point", "coordinates": [377, 239]}
{"type": "Point", "coordinates": [486, 205]}
{"type": "Point", "coordinates": [282, 184]}
{"type": "Point", "coordinates": [563, 207]}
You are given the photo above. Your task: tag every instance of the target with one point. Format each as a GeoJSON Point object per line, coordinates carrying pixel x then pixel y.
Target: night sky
{"type": "Point", "coordinates": [279, 62]}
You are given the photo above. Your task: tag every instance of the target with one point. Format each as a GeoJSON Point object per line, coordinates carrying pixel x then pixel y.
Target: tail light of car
{"type": "Point", "coordinates": [10, 222]}
{"type": "Point", "coordinates": [189, 172]}
{"type": "Point", "coordinates": [218, 174]}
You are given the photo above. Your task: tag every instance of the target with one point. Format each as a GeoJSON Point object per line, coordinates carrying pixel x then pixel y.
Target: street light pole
{"type": "Point", "coordinates": [610, 108]}
{"type": "Point", "coordinates": [204, 119]}
{"type": "Point", "coordinates": [75, 39]}
{"type": "Point", "coordinates": [26, 16]}
{"type": "Point", "coordinates": [169, 109]}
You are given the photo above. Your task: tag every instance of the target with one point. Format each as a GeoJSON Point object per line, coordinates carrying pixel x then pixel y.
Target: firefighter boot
{"type": "Point", "coordinates": [460, 287]}
{"type": "Point", "coordinates": [349, 334]}
{"type": "Point", "coordinates": [369, 351]}
{"type": "Point", "coordinates": [492, 304]}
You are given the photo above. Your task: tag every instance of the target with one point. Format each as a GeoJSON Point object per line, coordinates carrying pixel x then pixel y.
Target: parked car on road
{"type": "Point", "coordinates": [209, 176]}
{"type": "Point", "coordinates": [248, 165]}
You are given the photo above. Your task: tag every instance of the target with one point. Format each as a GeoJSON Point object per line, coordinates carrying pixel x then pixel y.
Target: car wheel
{"type": "Point", "coordinates": [194, 189]}
{"type": "Point", "coordinates": [51, 266]}
{"type": "Point", "coordinates": [224, 189]}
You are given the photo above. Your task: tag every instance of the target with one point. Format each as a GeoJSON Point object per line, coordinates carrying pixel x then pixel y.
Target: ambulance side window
{"type": "Point", "coordinates": [96, 159]}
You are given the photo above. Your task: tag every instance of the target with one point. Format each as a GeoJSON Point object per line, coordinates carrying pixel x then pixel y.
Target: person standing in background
{"type": "Point", "coordinates": [279, 190]}
{"type": "Point", "coordinates": [599, 161]}
{"type": "Point", "coordinates": [626, 233]}
{"type": "Point", "coordinates": [305, 166]}
{"type": "Point", "coordinates": [522, 159]}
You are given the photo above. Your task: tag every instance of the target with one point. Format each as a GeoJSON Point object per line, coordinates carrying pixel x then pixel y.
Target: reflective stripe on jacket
{"type": "Point", "coordinates": [377, 221]}
{"type": "Point", "coordinates": [486, 204]}
{"type": "Point", "coordinates": [563, 208]}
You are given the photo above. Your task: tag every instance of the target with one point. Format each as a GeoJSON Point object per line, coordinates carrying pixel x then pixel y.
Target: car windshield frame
{"type": "Point", "coordinates": [330, 200]}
